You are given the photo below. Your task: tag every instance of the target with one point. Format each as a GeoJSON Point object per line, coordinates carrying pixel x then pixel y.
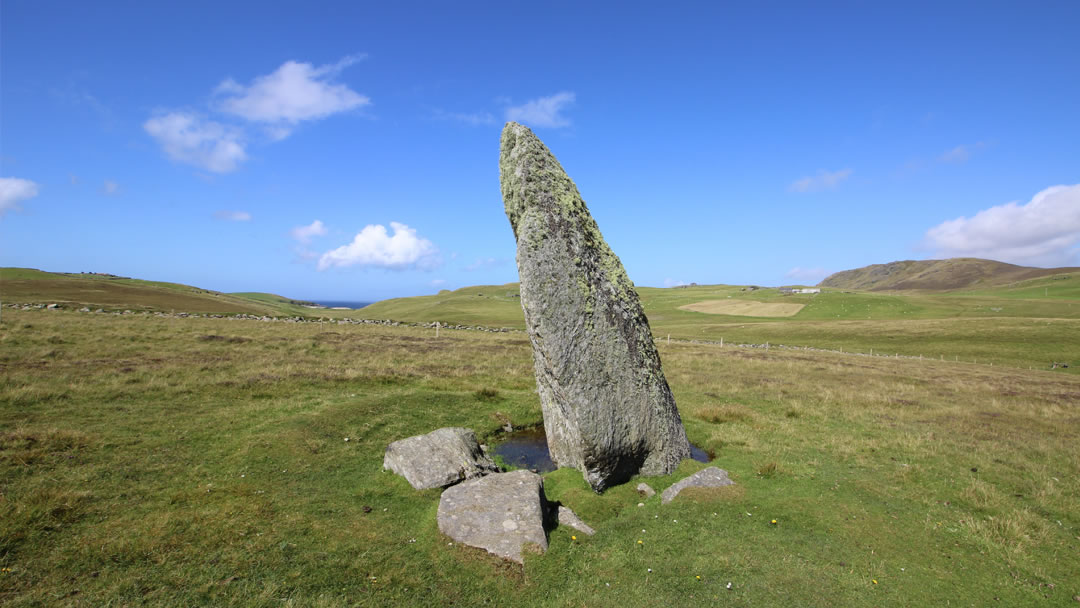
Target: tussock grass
{"type": "Point", "coordinates": [143, 464]}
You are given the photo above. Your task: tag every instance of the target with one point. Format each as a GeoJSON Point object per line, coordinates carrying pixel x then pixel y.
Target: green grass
{"type": "Point", "coordinates": [1009, 325]}
{"type": "Point", "coordinates": [195, 461]}
{"type": "Point", "coordinates": [988, 327]}
{"type": "Point", "coordinates": [490, 305]}
{"type": "Point", "coordinates": [75, 290]}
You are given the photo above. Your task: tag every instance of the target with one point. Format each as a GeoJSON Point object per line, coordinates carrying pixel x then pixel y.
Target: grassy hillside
{"type": "Point", "coordinates": [74, 290]}
{"type": "Point", "coordinates": [201, 462]}
{"type": "Point", "coordinates": [490, 305]}
{"type": "Point", "coordinates": [953, 273]}
{"type": "Point", "coordinates": [1032, 323]}
{"type": "Point", "coordinates": [1007, 326]}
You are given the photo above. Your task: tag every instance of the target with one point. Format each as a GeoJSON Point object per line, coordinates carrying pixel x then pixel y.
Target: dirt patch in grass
{"type": "Point", "coordinates": [229, 339]}
{"type": "Point", "coordinates": [745, 308]}
{"type": "Point", "coordinates": [721, 414]}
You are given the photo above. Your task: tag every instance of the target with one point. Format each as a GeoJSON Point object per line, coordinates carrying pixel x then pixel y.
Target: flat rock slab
{"type": "Point", "coordinates": [569, 518]}
{"type": "Point", "coordinates": [441, 458]}
{"type": "Point", "coordinates": [500, 513]}
{"type": "Point", "coordinates": [711, 477]}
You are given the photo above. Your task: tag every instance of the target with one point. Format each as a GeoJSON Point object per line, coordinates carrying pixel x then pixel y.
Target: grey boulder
{"type": "Point", "coordinates": [442, 457]}
{"type": "Point", "coordinates": [608, 410]}
{"type": "Point", "coordinates": [568, 518]}
{"type": "Point", "coordinates": [645, 490]}
{"type": "Point", "coordinates": [711, 477]}
{"type": "Point", "coordinates": [500, 513]}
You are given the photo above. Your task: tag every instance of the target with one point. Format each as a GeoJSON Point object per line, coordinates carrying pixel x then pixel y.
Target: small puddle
{"type": "Point", "coordinates": [699, 454]}
{"type": "Point", "coordinates": [528, 449]}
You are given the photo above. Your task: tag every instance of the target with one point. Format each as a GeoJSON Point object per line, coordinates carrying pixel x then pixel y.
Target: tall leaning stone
{"type": "Point", "coordinates": [608, 411]}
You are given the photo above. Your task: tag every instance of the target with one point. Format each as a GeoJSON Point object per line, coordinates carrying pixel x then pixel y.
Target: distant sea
{"type": "Point", "coordinates": [340, 304]}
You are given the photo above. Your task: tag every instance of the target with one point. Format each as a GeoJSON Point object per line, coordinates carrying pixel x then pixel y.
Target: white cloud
{"type": "Point", "coordinates": [233, 216]}
{"type": "Point", "coordinates": [1045, 231]}
{"type": "Point", "coordinates": [543, 112]}
{"type": "Point", "coordinates": [293, 93]}
{"type": "Point", "coordinates": [961, 153]}
{"type": "Point", "coordinates": [374, 247]}
{"type": "Point", "coordinates": [808, 275]}
{"type": "Point", "coordinates": [438, 282]}
{"type": "Point", "coordinates": [13, 190]}
{"type": "Point", "coordinates": [189, 139]}
{"type": "Point", "coordinates": [824, 180]}
{"type": "Point", "coordinates": [304, 234]}
{"type": "Point", "coordinates": [674, 283]}
{"type": "Point", "coordinates": [110, 187]}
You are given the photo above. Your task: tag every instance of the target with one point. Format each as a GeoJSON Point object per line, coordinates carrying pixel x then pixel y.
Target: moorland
{"type": "Point", "coordinates": [194, 457]}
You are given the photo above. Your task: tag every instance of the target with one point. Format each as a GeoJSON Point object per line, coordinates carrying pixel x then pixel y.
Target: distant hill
{"type": "Point", "coordinates": [111, 292]}
{"type": "Point", "coordinates": [938, 275]}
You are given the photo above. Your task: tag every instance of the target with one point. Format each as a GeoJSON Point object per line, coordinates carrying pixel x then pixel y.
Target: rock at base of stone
{"type": "Point", "coordinates": [711, 477]}
{"type": "Point", "coordinates": [438, 459]}
{"type": "Point", "coordinates": [500, 513]}
{"type": "Point", "coordinates": [645, 490]}
{"type": "Point", "coordinates": [569, 518]}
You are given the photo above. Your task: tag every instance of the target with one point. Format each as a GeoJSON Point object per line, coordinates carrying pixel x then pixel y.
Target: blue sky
{"type": "Point", "coordinates": [349, 151]}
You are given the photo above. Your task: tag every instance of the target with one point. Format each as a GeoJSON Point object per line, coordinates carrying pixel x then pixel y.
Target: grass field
{"type": "Point", "coordinates": [1027, 324]}
{"type": "Point", "coordinates": [197, 461]}
{"type": "Point", "coordinates": [75, 290]}
{"type": "Point", "coordinates": [1003, 327]}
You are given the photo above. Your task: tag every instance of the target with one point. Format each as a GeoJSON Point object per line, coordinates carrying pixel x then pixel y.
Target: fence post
{"type": "Point", "coordinates": [436, 329]}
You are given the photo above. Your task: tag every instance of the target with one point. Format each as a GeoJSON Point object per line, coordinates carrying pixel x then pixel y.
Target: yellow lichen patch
{"type": "Point", "coordinates": [745, 308]}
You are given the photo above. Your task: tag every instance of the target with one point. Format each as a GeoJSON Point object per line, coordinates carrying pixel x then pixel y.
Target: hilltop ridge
{"type": "Point", "coordinates": [940, 275]}
{"type": "Point", "coordinates": [100, 289]}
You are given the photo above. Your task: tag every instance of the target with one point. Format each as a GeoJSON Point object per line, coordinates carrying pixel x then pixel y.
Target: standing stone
{"type": "Point", "coordinates": [608, 411]}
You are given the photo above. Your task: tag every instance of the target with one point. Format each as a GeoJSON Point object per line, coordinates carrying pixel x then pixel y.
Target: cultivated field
{"type": "Point", "coordinates": [200, 461]}
{"type": "Point", "coordinates": [744, 308]}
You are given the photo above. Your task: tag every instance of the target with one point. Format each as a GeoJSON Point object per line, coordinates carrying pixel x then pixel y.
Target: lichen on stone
{"type": "Point", "coordinates": [607, 407]}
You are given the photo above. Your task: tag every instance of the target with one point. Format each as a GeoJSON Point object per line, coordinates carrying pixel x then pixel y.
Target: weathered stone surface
{"type": "Point", "coordinates": [711, 477]}
{"type": "Point", "coordinates": [568, 518]}
{"type": "Point", "coordinates": [501, 513]}
{"type": "Point", "coordinates": [608, 411]}
{"type": "Point", "coordinates": [438, 459]}
{"type": "Point", "coordinates": [645, 490]}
